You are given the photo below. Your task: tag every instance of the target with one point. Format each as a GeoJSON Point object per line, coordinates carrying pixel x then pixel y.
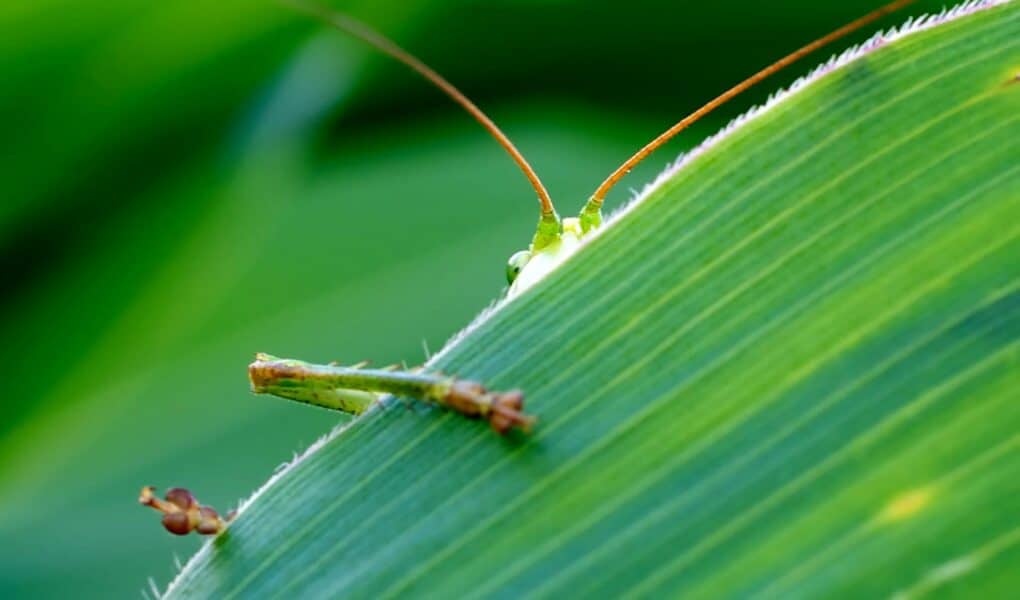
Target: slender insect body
{"type": "Point", "coordinates": [309, 390]}
{"type": "Point", "coordinates": [355, 389]}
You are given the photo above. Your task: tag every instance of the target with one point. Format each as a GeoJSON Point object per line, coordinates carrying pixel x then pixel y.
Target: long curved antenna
{"type": "Point", "coordinates": [373, 38]}
{"type": "Point", "coordinates": [595, 203]}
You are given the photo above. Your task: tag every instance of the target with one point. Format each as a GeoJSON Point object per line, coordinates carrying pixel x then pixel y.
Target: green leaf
{"type": "Point", "coordinates": [791, 368]}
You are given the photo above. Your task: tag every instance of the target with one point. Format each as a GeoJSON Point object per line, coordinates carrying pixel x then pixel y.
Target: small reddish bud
{"type": "Point", "coordinates": [183, 514]}
{"type": "Point", "coordinates": [177, 523]}
{"type": "Point", "coordinates": [209, 521]}
{"type": "Point", "coordinates": [181, 497]}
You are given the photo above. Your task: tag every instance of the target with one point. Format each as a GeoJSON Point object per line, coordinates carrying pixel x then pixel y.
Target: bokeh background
{"type": "Point", "coordinates": [187, 182]}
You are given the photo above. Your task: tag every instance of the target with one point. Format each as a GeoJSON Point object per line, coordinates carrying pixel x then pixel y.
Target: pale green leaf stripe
{"type": "Point", "coordinates": [790, 371]}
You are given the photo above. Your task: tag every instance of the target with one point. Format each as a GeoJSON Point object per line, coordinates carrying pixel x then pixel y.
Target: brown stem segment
{"type": "Point", "coordinates": [595, 202]}
{"type": "Point", "coordinates": [182, 514]}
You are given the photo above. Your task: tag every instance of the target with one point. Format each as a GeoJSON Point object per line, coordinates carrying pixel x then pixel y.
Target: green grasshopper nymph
{"type": "Point", "coordinates": [354, 389]}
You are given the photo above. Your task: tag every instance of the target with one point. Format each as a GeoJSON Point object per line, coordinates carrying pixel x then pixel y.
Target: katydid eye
{"type": "Point", "coordinates": [515, 264]}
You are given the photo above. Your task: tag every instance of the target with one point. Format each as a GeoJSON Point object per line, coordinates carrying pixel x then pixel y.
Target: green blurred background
{"type": "Point", "coordinates": [187, 182]}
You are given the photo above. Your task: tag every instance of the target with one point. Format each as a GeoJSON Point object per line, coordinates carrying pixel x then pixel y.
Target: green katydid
{"type": "Point", "coordinates": [354, 389]}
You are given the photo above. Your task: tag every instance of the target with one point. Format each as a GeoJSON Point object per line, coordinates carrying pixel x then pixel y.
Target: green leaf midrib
{"type": "Point", "coordinates": [431, 450]}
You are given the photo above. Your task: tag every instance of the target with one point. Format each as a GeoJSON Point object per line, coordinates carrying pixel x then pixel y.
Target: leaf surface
{"type": "Point", "coordinates": [790, 369]}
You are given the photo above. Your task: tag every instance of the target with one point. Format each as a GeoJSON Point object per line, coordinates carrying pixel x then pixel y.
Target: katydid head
{"type": "Point", "coordinates": [528, 267]}
{"type": "Point", "coordinates": [554, 239]}
{"type": "Point", "coordinates": [548, 237]}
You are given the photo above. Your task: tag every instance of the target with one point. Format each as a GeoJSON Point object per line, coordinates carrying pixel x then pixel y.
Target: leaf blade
{"type": "Point", "coordinates": [724, 307]}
